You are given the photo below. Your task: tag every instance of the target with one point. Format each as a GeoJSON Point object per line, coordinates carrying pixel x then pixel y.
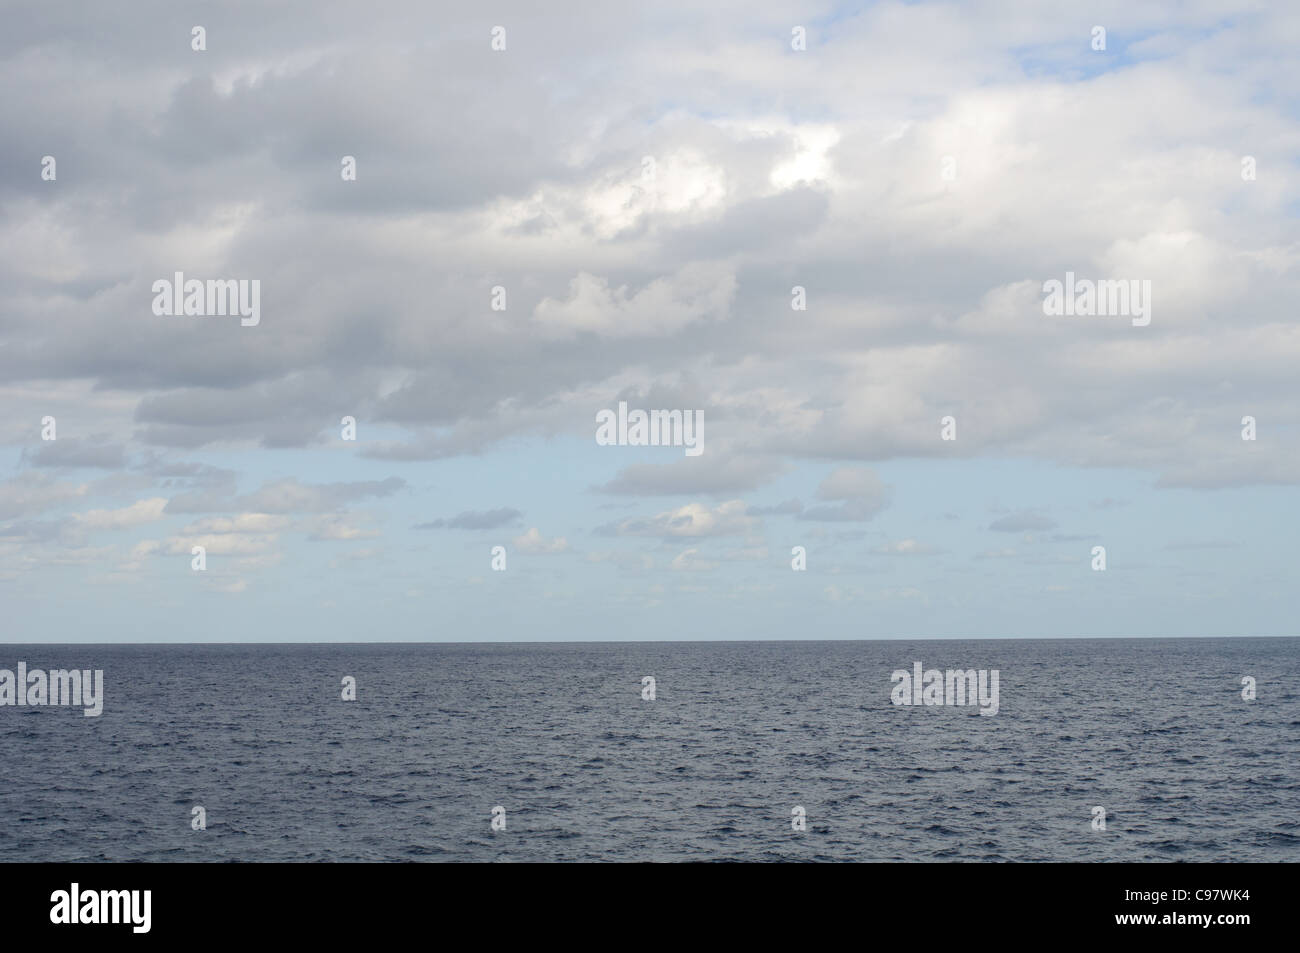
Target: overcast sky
{"type": "Point", "coordinates": [648, 187]}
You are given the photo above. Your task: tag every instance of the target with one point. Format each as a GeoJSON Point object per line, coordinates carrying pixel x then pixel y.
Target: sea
{"type": "Point", "coordinates": [748, 751]}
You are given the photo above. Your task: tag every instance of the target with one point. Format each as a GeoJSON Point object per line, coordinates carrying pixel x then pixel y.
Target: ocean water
{"type": "Point", "coordinates": [1156, 732]}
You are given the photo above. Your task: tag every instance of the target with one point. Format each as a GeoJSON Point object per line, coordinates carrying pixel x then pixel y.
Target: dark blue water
{"type": "Point", "coordinates": [1156, 732]}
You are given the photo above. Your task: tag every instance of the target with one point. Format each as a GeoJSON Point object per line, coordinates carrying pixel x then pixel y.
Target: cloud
{"type": "Point", "coordinates": [788, 508]}
{"type": "Point", "coordinates": [906, 547]}
{"type": "Point", "coordinates": [287, 496]}
{"type": "Point", "coordinates": [1023, 521]}
{"type": "Point", "coordinates": [290, 496]}
{"type": "Point", "coordinates": [613, 273]}
{"type": "Point", "coordinates": [667, 283]}
{"type": "Point", "coordinates": [692, 520]}
{"type": "Point", "coordinates": [471, 519]}
{"type": "Point", "coordinates": [712, 474]}
{"type": "Point", "coordinates": [533, 542]}
{"type": "Point", "coordinates": [138, 513]}
{"type": "Point", "coordinates": [223, 544]}
{"type": "Point", "coordinates": [861, 491]}
{"type": "Point", "coordinates": [690, 561]}
{"type": "Point", "coordinates": [241, 523]}
{"type": "Point", "coordinates": [74, 452]}
{"type": "Point", "coordinates": [30, 493]}
{"type": "Point", "coordinates": [337, 527]}
{"type": "Point", "coordinates": [665, 305]}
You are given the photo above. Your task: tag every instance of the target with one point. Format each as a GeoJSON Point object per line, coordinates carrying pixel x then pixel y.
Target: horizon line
{"type": "Point", "coordinates": [1049, 638]}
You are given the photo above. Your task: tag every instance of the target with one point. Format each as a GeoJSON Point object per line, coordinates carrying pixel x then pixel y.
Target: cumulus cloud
{"type": "Point", "coordinates": [533, 542]}
{"type": "Point", "coordinates": [681, 267]}
{"type": "Point", "coordinates": [862, 493]}
{"type": "Point", "coordinates": [667, 282]}
{"type": "Point", "coordinates": [663, 306]}
{"type": "Point", "coordinates": [690, 561]}
{"type": "Point", "coordinates": [142, 511]}
{"type": "Point", "coordinates": [694, 519]}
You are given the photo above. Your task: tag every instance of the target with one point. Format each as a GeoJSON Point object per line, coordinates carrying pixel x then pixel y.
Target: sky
{"type": "Point", "coordinates": [595, 204]}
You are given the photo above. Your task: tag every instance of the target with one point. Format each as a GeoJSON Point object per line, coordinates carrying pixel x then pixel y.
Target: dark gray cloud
{"type": "Point", "coordinates": [76, 452]}
{"type": "Point", "coordinates": [524, 169]}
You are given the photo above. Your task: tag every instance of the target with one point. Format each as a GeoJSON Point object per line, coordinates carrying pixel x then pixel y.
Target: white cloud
{"type": "Point", "coordinates": [693, 519]}
{"type": "Point", "coordinates": [533, 542]}
{"type": "Point", "coordinates": [138, 513]}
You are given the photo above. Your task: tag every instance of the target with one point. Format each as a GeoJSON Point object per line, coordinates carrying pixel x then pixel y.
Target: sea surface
{"type": "Point", "coordinates": [1155, 732]}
